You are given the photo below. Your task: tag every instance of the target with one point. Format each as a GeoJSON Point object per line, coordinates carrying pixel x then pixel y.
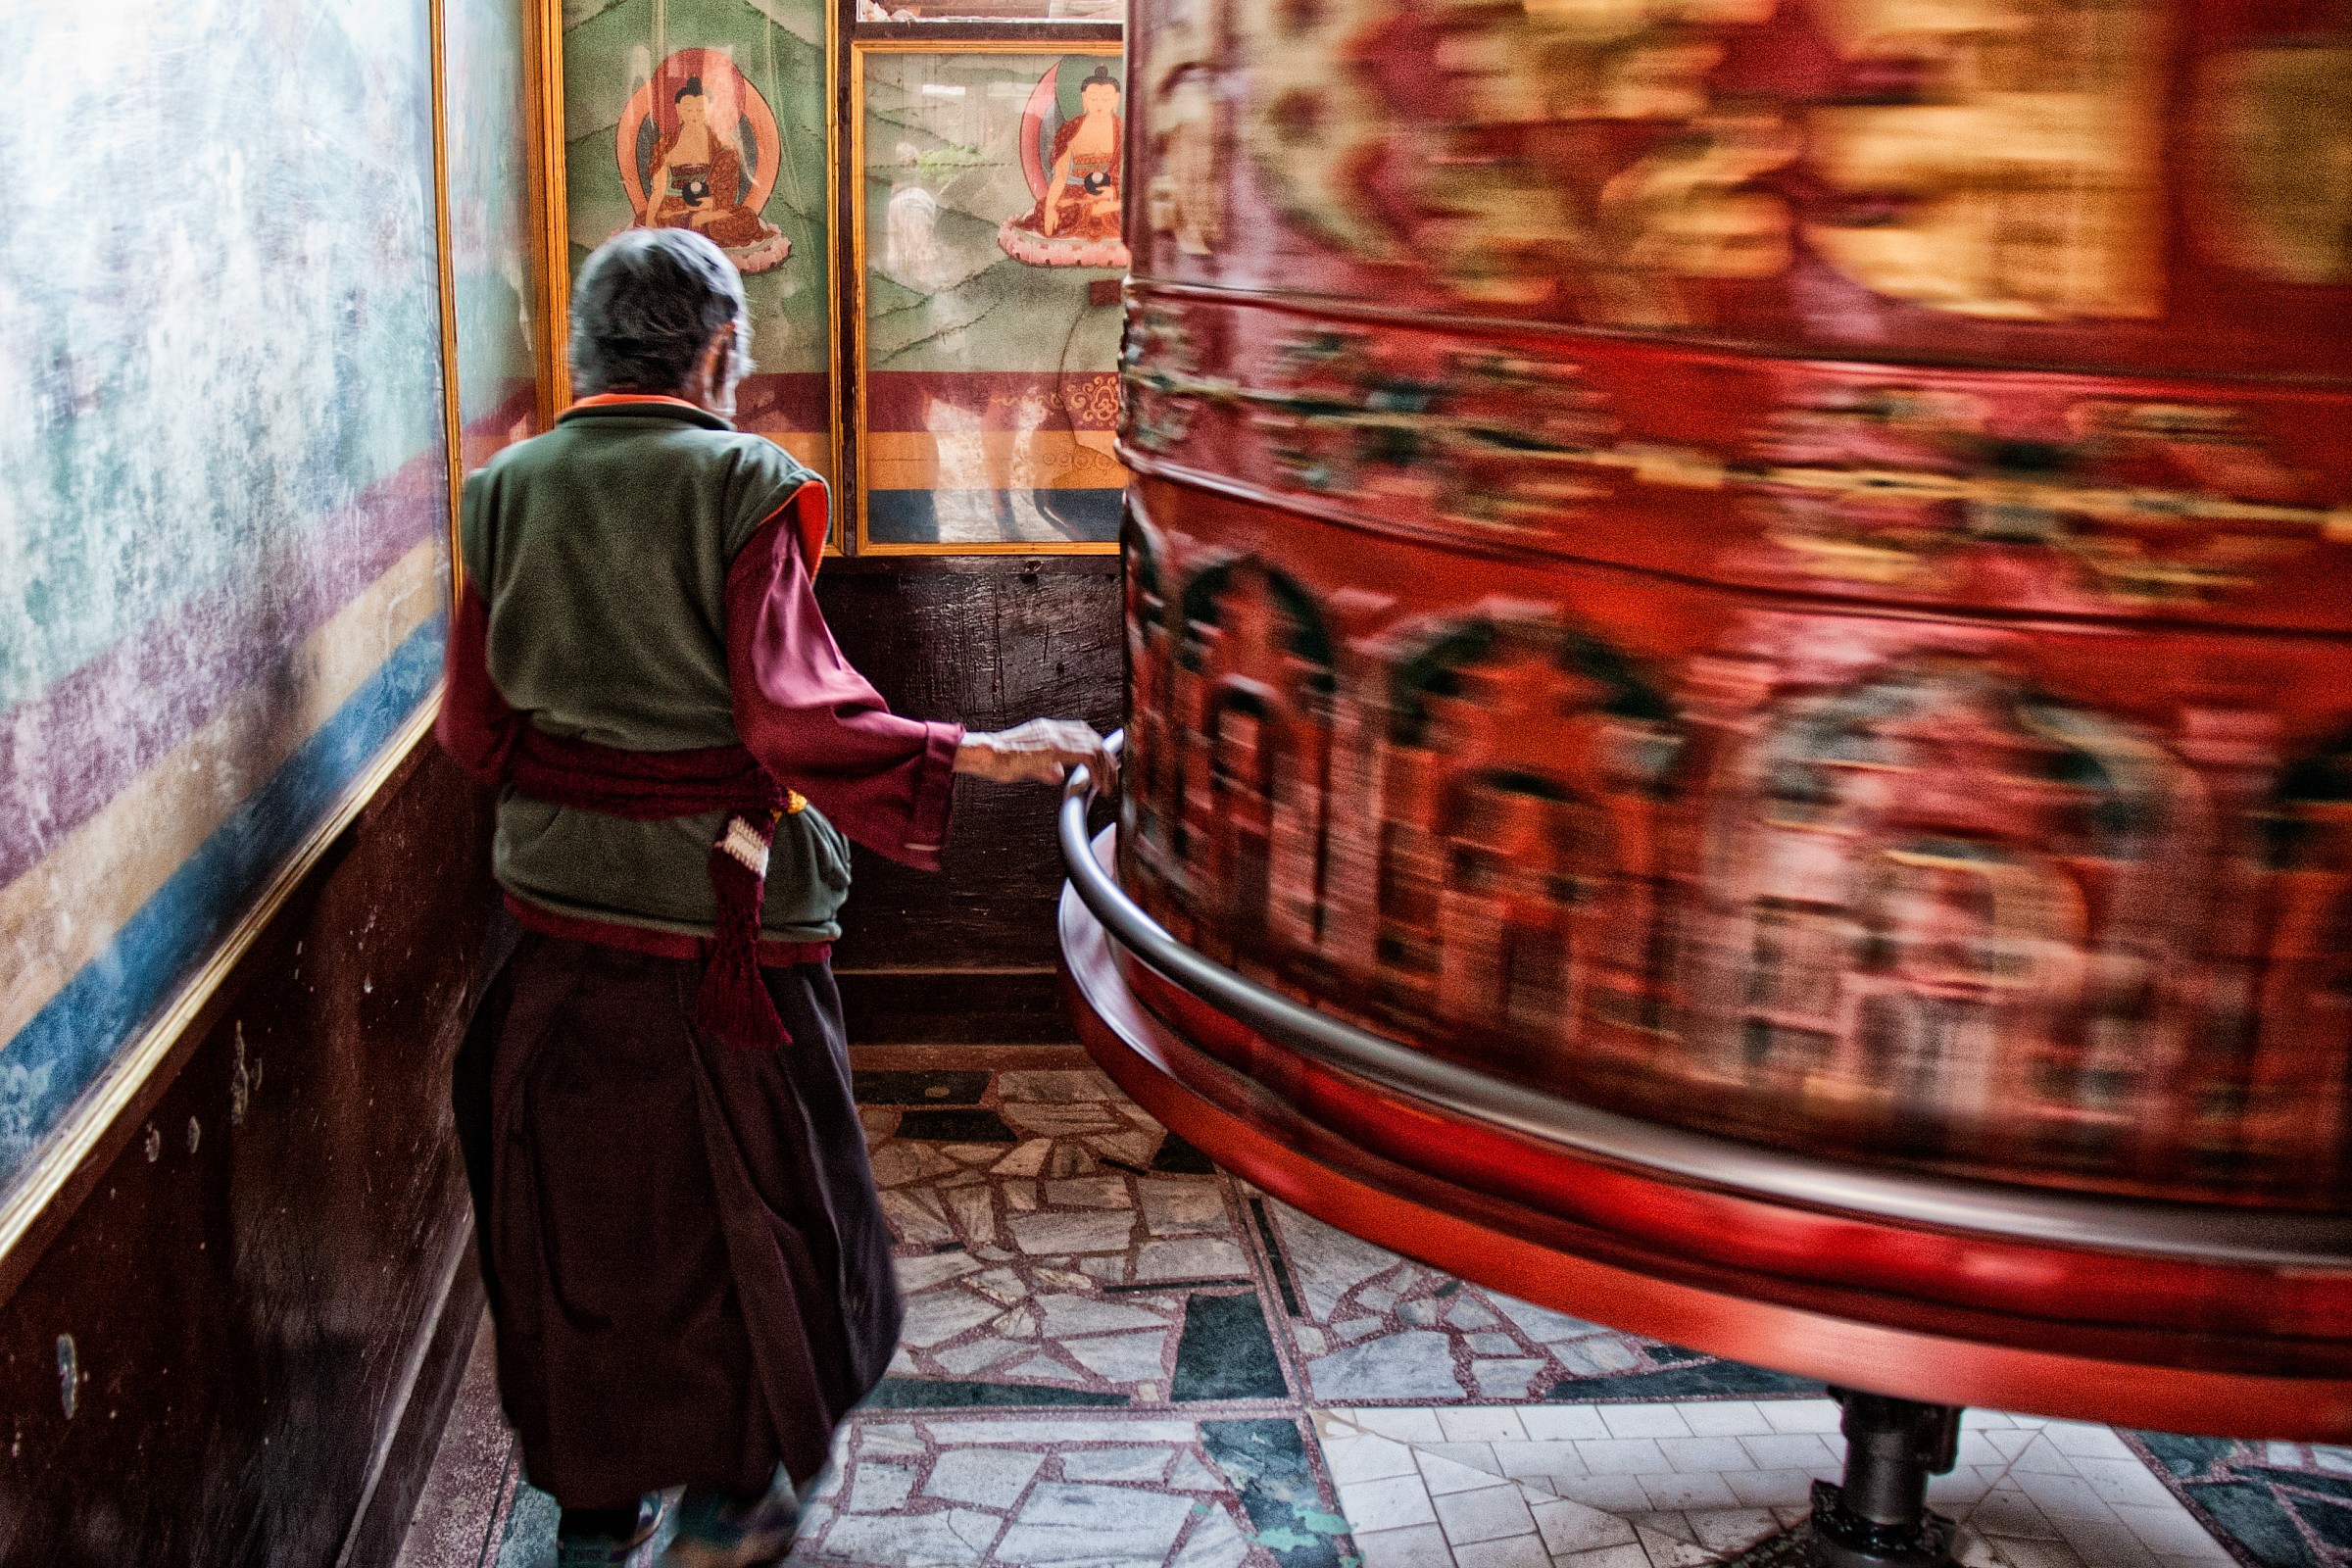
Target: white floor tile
{"type": "Point", "coordinates": [1443, 1476]}
{"type": "Point", "coordinates": [1415, 1547]}
{"type": "Point", "coordinates": [1534, 1458]}
{"type": "Point", "coordinates": [1802, 1415]}
{"type": "Point", "coordinates": [1629, 1555]}
{"type": "Point", "coordinates": [2083, 1441]}
{"type": "Point", "coordinates": [1688, 1492]}
{"type": "Point", "coordinates": [1771, 1489]}
{"type": "Point", "coordinates": [1643, 1421]}
{"type": "Point", "coordinates": [1692, 1455]}
{"type": "Point", "coordinates": [1726, 1418]}
{"type": "Point", "coordinates": [1615, 1494]}
{"type": "Point", "coordinates": [2042, 1458]}
{"type": "Point", "coordinates": [1797, 1450]}
{"type": "Point", "coordinates": [1403, 1425]}
{"type": "Point", "coordinates": [1569, 1528]}
{"type": "Point", "coordinates": [2171, 1530]}
{"type": "Point", "coordinates": [1732, 1531]}
{"type": "Point", "coordinates": [1367, 1458]}
{"type": "Point", "coordinates": [2126, 1483]}
{"type": "Point", "coordinates": [1513, 1551]}
{"type": "Point", "coordinates": [1475, 1424]}
{"type": "Point", "coordinates": [1562, 1423]}
{"type": "Point", "coordinates": [1389, 1503]}
{"type": "Point", "coordinates": [1468, 1517]}
{"type": "Point", "coordinates": [1624, 1456]}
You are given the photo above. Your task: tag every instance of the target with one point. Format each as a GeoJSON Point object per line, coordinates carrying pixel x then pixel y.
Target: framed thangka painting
{"type": "Point", "coordinates": [988, 222]}
{"type": "Point", "coordinates": [712, 114]}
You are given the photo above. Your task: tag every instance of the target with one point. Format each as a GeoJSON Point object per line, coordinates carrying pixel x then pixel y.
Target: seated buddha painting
{"type": "Point", "coordinates": [698, 149]}
{"type": "Point", "coordinates": [1072, 139]}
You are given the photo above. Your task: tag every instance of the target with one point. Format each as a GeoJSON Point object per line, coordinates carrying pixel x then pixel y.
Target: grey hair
{"type": "Point", "coordinates": [645, 307]}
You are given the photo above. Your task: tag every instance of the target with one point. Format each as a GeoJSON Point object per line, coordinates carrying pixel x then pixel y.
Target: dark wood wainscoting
{"type": "Point", "coordinates": [967, 954]}
{"type": "Point", "coordinates": [260, 1291]}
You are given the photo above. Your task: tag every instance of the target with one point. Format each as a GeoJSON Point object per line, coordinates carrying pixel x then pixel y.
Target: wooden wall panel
{"type": "Point", "coordinates": [991, 640]}
{"type": "Point", "coordinates": [250, 1287]}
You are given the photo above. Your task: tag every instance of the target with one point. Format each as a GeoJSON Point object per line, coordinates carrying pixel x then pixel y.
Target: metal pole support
{"type": "Point", "coordinates": [1877, 1517]}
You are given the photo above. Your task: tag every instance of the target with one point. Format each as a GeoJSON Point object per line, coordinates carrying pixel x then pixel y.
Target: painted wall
{"type": "Point", "coordinates": [223, 484]}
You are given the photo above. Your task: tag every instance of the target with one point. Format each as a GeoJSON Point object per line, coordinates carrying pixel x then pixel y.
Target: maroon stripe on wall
{"type": "Point", "coordinates": [68, 750]}
{"type": "Point", "coordinates": [797, 402]}
{"type": "Point", "coordinates": [1003, 400]}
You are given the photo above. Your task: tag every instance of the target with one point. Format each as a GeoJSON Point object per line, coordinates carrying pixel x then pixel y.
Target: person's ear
{"type": "Point", "coordinates": [718, 356]}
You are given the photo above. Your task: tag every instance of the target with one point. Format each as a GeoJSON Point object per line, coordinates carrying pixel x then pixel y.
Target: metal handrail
{"type": "Point", "coordinates": [2201, 1233]}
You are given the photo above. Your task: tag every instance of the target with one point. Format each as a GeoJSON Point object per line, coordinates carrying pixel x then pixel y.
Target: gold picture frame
{"type": "Point", "coordinates": [856, 170]}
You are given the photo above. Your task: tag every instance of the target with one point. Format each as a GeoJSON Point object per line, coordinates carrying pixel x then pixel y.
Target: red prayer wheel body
{"type": "Point", "coordinates": [1783, 571]}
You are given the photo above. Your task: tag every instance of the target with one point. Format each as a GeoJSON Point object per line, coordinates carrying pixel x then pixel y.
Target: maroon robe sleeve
{"type": "Point", "coordinates": [476, 725]}
{"type": "Point", "coordinates": [814, 722]}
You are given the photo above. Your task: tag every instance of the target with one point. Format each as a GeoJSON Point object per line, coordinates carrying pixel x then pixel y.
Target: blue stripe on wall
{"type": "Point", "coordinates": [68, 1043]}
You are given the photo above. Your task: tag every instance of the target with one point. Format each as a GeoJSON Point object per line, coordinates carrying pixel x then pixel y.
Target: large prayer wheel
{"type": "Point", "coordinates": [1739, 621]}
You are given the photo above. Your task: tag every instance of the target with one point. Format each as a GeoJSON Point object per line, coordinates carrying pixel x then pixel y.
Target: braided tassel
{"type": "Point", "coordinates": [733, 1002]}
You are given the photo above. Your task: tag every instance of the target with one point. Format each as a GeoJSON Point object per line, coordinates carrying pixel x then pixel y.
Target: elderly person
{"type": "Point", "coordinates": [688, 1269]}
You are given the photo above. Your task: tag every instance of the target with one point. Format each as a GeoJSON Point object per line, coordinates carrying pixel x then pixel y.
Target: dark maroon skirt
{"type": "Point", "coordinates": [688, 1269]}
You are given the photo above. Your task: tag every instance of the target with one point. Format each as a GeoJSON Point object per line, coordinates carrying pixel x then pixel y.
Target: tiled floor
{"type": "Point", "coordinates": [1117, 1356]}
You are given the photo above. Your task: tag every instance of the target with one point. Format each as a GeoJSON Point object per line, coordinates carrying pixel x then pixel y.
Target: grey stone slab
{"type": "Point", "coordinates": [1027, 1161]}
{"type": "Point", "coordinates": [909, 1541]}
{"type": "Point", "coordinates": [1116, 1464]}
{"type": "Point", "coordinates": [1061, 1121]}
{"type": "Point", "coordinates": [1506, 1379]}
{"type": "Point", "coordinates": [937, 1316]}
{"type": "Point", "coordinates": [1417, 1364]}
{"type": "Point", "coordinates": [1191, 1475]}
{"type": "Point", "coordinates": [1057, 1086]}
{"type": "Point", "coordinates": [1120, 1357]}
{"type": "Point", "coordinates": [1216, 1541]}
{"type": "Point", "coordinates": [1172, 1207]}
{"type": "Point", "coordinates": [1134, 1147]}
{"type": "Point", "coordinates": [965, 1359]}
{"type": "Point", "coordinates": [1492, 1345]}
{"type": "Point", "coordinates": [875, 1437]}
{"type": "Point", "coordinates": [1191, 1257]}
{"type": "Point", "coordinates": [1542, 1322]}
{"type": "Point", "coordinates": [1072, 1233]}
{"type": "Point", "coordinates": [1326, 1263]}
{"type": "Point", "coordinates": [1066, 1315]}
{"type": "Point", "coordinates": [898, 1163]}
{"type": "Point", "coordinates": [1064, 1523]}
{"type": "Point", "coordinates": [914, 1215]}
{"type": "Point", "coordinates": [880, 1488]}
{"type": "Point", "coordinates": [1042, 1368]}
{"type": "Point", "coordinates": [1598, 1355]}
{"type": "Point", "coordinates": [920, 1273]}
{"type": "Point", "coordinates": [974, 1210]}
{"type": "Point", "coordinates": [990, 1478]}
{"type": "Point", "coordinates": [1090, 1192]}
{"type": "Point", "coordinates": [1467, 1311]}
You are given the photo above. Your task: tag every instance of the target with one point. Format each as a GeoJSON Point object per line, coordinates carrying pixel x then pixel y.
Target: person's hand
{"type": "Point", "coordinates": [1039, 752]}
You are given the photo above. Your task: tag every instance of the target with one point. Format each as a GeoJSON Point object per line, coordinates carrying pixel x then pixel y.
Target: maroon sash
{"type": "Point", "coordinates": [733, 1002]}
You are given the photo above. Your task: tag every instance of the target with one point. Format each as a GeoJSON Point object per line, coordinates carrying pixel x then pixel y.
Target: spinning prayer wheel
{"type": "Point", "coordinates": [1739, 705]}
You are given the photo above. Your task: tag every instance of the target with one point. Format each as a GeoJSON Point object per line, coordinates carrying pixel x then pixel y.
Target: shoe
{"type": "Point", "coordinates": [716, 1532]}
{"type": "Point", "coordinates": [583, 1549]}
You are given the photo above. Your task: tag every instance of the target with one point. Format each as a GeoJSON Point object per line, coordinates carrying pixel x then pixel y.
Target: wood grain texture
{"type": "Point", "coordinates": [989, 642]}
{"type": "Point", "coordinates": [247, 1286]}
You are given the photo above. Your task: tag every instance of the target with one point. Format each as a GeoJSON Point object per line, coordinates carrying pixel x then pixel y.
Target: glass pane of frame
{"type": "Point", "coordinates": [992, 10]}
{"type": "Point", "coordinates": [716, 115]}
{"type": "Point", "coordinates": [489, 218]}
{"type": "Point", "coordinates": [988, 259]}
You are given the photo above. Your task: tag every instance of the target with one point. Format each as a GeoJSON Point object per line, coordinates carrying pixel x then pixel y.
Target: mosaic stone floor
{"type": "Point", "coordinates": [1117, 1356]}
